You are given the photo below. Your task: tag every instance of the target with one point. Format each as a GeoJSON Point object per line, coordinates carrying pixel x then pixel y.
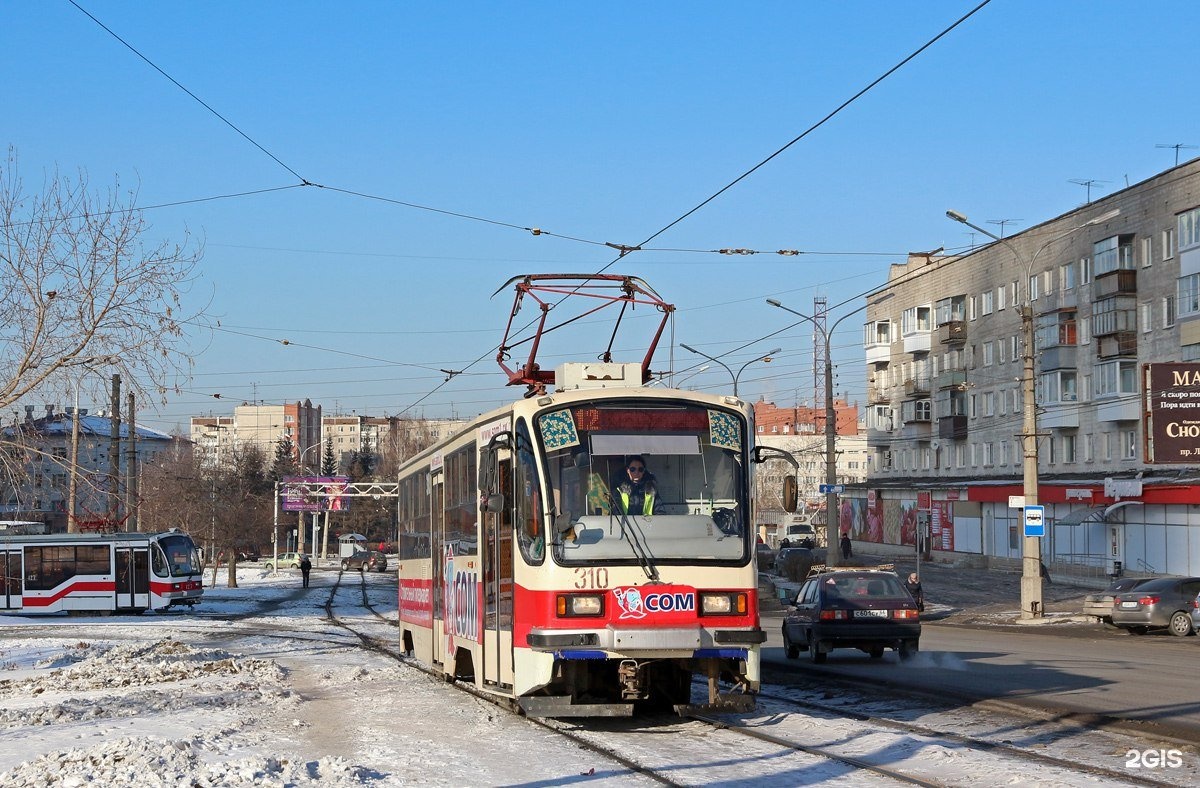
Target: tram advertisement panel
{"type": "Point", "coordinates": [416, 601]}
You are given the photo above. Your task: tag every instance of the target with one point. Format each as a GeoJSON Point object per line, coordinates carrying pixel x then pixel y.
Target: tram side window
{"type": "Point", "coordinates": [48, 567]}
{"type": "Point", "coordinates": [527, 495]}
{"type": "Point", "coordinates": [92, 560]}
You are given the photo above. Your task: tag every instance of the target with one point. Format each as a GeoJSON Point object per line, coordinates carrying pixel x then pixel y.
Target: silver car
{"type": "Point", "coordinates": [1100, 604]}
{"type": "Point", "coordinates": [1165, 602]}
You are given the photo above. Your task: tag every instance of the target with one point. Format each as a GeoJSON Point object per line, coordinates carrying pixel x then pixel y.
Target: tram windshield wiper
{"type": "Point", "coordinates": [632, 533]}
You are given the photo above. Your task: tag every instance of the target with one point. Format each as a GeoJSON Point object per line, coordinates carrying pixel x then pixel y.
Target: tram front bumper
{"type": "Point", "coordinates": [682, 641]}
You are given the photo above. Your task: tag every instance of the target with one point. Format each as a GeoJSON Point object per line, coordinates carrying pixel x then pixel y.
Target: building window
{"type": "Point", "coordinates": [988, 354]}
{"type": "Point", "coordinates": [877, 332]}
{"type": "Point", "coordinates": [1189, 353]}
{"type": "Point", "coordinates": [987, 455]}
{"type": "Point", "coordinates": [1033, 287]}
{"type": "Point", "coordinates": [1112, 254]}
{"type": "Point", "coordinates": [987, 301]}
{"type": "Point", "coordinates": [1089, 447]}
{"type": "Point", "coordinates": [1147, 317]}
{"type": "Point", "coordinates": [1188, 295]}
{"type": "Point", "coordinates": [1054, 387]}
{"type": "Point", "coordinates": [1085, 270]}
{"type": "Point", "coordinates": [1168, 244]}
{"type": "Point", "coordinates": [916, 320]}
{"type": "Point", "coordinates": [950, 310]}
{"type": "Point", "coordinates": [1147, 252]}
{"type": "Point", "coordinates": [960, 455]}
{"type": "Point", "coordinates": [1066, 277]}
{"type": "Point", "coordinates": [1129, 444]}
{"type": "Point", "coordinates": [1115, 378]}
{"type": "Point", "coordinates": [973, 308]}
{"type": "Point", "coordinates": [1168, 311]}
{"type": "Point", "coordinates": [1189, 229]}
{"type": "Point", "coordinates": [999, 298]}
{"type": "Point", "coordinates": [1000, 359]}
{"type": "Point", "coordinates": [989, 403]}
{"type": "Point", "coordinates": [1012, 293]}
{"type": "Point", "coordinates": [974, 410]}
{"type": "Point", "coordinates": [1068, 448]}
{"type": "Point", "coordinates": [1003, 445]}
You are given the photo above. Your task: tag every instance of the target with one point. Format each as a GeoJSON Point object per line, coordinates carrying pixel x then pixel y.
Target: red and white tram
{"type": "Point", "coordinates": [98, 572]}
{"type": "Point", "coordinates": [521, 574]}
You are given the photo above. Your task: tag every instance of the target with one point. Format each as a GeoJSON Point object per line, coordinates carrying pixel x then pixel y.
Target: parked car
{"type": "Point", "coordinates": [766, 556]}
{"type": "Point", "coordinates": [866, 609]}
{"type": "Point", "coordinates": [286, 561]}
{"type": "Point", "coordinates": [1164, 602]}
{"type": "Point", "coordinates": [794, 563]}
{"type": "Point", "coordinates": [373, 561]}
{"type": "Point", "coordinates": [1100, 604]}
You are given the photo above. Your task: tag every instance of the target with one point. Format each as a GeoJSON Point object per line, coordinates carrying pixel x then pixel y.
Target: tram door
{"type": "Point", "coordinates": [133, 577]}
{"type": "Point", "coordinates": [437, 495]}
{"type": "Point", "coordinates": [10, 562]}
{"type": "Point", "coordinates": [498, 594]}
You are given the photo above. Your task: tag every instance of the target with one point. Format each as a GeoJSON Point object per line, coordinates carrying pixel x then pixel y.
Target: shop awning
{"type": "Point", "coordinates": [1081, 516]}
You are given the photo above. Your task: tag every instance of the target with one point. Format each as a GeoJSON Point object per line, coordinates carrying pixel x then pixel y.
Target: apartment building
{"type": "Point", "coordinates": [1113, 286]}
{"type": "Point", "coordinates": [42, 492]}
{"type": "Point", "coordinates": [219, 438]}
{"type": "Point", "coordinates": [800, 430]}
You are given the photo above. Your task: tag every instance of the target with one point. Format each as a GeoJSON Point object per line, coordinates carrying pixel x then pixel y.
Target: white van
{"type": "Point", "coordinates": [800, 529]}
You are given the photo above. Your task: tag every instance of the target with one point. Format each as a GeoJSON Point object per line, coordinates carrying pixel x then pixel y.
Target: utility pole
{"type": "Point", "coordinates": [114, 455]}
{"type": "Point", "coordinates": [131, 469]}
{"type": "Point", "coordinates": [1031, 549]}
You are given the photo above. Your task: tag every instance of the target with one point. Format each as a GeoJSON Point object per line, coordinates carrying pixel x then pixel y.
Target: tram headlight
{"type": "Point", "coordinates": [580, 605]}
{"type": "Point", "coordinates": [723, 604]}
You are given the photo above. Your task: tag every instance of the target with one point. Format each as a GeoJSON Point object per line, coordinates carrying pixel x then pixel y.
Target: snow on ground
{"type": "Point", "coordinates": [290, 699]}
{"type": "Point", "coordinates": [181, 700]}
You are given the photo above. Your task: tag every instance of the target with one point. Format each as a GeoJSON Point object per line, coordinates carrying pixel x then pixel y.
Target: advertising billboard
{"type": "Point", "coordinates": [1171, 413]}
{"type": "Point", "coordinates": [313, 493]}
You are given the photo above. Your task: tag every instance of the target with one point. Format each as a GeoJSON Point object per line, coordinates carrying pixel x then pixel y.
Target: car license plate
{"type": "Point", "coordinates": [1128, 604]}
{"type": "Point", "coordinates": [870, 614]}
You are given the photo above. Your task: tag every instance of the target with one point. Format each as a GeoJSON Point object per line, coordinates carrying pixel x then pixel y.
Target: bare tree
{"type": "Point", "coordinates": [81, 283]}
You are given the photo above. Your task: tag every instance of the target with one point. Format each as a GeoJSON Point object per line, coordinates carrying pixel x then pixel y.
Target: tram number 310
{"type": "Point", "coordinates": [591, 577]}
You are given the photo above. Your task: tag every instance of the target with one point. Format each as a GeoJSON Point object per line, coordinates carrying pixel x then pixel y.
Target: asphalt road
{"type": "Point", "coordinates": [1084, 671]}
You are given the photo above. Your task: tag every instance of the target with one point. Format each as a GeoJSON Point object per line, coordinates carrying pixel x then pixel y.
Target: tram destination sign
{"type": "Point", "coordinates": [1171, 413]}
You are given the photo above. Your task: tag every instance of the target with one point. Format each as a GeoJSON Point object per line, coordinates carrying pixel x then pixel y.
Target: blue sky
{"type": "Point", "coordinates": [603, 122]}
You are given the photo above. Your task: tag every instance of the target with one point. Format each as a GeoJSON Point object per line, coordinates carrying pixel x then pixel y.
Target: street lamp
{"type": "Point", "coordinates": [764, 357]}
{"type": "Point", "coordinates": [831, 510]}
{"type": "Point", "coordinates": [1031, 551]}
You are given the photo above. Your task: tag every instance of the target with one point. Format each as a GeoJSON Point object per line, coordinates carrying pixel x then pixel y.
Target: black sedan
{"type": "Point", "coordinates": [866, 609]}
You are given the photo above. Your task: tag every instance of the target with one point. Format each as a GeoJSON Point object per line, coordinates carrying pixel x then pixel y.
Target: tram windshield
{"type": "Point", "coordinates": [646, 482]}
{"type": "Point", "coordinates": [181, 557]}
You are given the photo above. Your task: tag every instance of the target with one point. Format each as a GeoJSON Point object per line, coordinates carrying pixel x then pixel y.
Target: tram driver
{"type": "Point", "coordinates": [637, 491]}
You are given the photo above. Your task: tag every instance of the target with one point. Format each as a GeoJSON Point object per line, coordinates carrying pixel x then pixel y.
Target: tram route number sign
{"type": "Point", "coordinates": [1171, 412]}
{"type": "Point", "coordinates": [1035, 520]}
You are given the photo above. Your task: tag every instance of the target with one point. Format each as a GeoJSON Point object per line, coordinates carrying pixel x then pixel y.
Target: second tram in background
{"type": "Point", "coordinates": [98, 572]}
{"type": "Point", "coordinates": [526, 571]}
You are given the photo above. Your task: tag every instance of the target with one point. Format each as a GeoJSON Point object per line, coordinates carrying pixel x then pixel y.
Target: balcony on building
{"type": "Point", "coordinates": [1057, 339]}
{"type": "Point", "coordinates": [916, 329]}
{"type": "Point", "coordinates": [877, 341]}
{"type": "Point", "coordinates": [1059, 299]}
{"type": "Point", "coordinates": [878, 394]}
{"type": "Point", "coordinates": [917, 386]}
{"type": "Point", "coordinates": [951, 378]}
{"type": "Point", "coordinates": [1059, 416]}
{"type": "Point", "coordinates": [953, 333]}
{"type": "Point", "coordinates": [952, 427]}
{"type": "Point", "coordinates": [916, 419]}
{"type": "Point", "coordinates": [1121, 408]}
{"type": "Point", "coordinates": [1122, 343]}
{"type": "Point", "coordinates": [1114, 283]}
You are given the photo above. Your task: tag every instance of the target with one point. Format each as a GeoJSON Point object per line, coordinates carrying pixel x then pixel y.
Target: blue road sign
{"type": "Point", "coordinates": [1035, 520]}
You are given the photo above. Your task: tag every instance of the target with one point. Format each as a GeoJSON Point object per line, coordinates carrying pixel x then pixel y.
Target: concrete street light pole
{"type": "Point", "coordinates": [764, 357]}
{"type": "Point", "coordinates": [831, 498]}
{"type": "Point", "coordinates": [1031, 553]}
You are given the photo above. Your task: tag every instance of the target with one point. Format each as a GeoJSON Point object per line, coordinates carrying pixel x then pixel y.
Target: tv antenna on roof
{"type": "Point", "coordinates": [1087, 184]}
{"type": "Point", "coordinates": [1177, 146]}
{"type": "Point", "coordinates": [1002, 222]}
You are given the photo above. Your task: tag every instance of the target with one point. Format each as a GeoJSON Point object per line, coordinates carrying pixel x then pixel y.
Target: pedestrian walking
{"type": "Point", "coordinates": [913, 584]}
{"type": "Point", "coordinates": [847, 548]}
{"type": "Point", "coordinates": [305, 568]}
